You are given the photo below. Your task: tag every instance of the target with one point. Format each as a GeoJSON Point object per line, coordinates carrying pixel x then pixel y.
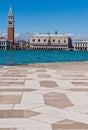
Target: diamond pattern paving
{"type": "Point", "coordinates": [48, 84]}
{"type": "Point", "coordinates": [58, 100]}
{"type": "Point", "coordinates": [80, 83]}
{"type": "Point", "coordinates": [79, 89]}
{"type": "Point", "coordinates": [17, 113]}
{"type": "Point", "coordinates": [44, 97]}
{"type": "Point", "coordinates": [69, 125]}
{"type": "Point", "coordinates": [10, 99]}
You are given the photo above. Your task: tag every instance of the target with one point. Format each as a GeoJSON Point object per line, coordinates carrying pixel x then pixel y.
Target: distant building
{"type": "Point", "coordinates": [50, 42]}
{"type": "Point", "coordinates": [5, 44]}
{"type": "Point", "coordinates": [21, 45]}
{"type": "Point", "coordinates": [81, 45]}
{"type": "Point", "coordinates": [11, 27]}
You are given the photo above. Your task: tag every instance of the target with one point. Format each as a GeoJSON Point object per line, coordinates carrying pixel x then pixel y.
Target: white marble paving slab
{"type": "Point", "coordinates": [32, 84]}
{"type": "Point", "coordinates": [6, 106]}
{"type": "Point", "coordinates": [27, 106]}
{"type": "Point", "coordinates": [43, 128]}
{"type": "Point", "coordinates": [47, 118]}
{"type": "Point", "coordinates": [78, 98]}
{"type": "Point", "coordinates": [10, 93]}
{"type": "Point", "coordinates": [79, 109]}
{"type": "Point", "coordinates": [61, 113]}
{"type": "Point", "coordinates": [16, 123]}
{"type": "Point", "coordinates": [29, 97]}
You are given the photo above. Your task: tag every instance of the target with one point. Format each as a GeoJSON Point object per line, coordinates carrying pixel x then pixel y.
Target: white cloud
{"type": "Point", "coordinates": [17, 34]}
{"type": "Point", "coordinates": [70, 34]}
{"type": "Point", "coordinates": [3, 33]}
{"type": "Point", "coordinates": [25, 36]}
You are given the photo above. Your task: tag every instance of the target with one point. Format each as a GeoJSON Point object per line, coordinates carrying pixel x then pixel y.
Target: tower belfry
{"type": "Point", "coordinates": [11, 26]}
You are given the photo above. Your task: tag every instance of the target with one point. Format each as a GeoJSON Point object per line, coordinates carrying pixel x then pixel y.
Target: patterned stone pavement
{"type": "Point", "coordinates": [44, 97]}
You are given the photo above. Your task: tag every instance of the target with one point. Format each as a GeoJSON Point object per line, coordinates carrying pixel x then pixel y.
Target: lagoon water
{"type": "Point", "coordinates": [10, 57]}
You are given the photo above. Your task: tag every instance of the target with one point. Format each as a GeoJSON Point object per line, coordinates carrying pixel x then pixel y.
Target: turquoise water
{"type": "Point", "coordinates": [27, 57]}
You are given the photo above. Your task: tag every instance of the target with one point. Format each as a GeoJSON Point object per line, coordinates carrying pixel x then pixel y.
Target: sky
{"type": "Point", "coordinates": [42, 16]}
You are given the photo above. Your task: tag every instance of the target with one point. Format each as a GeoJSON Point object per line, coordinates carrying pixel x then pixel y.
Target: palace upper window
{"type": "Point", "coordinates": [58, 41]}
{"type": "Point", "coordinates": [49, 41]}
{"type": "Point", "coordinates": [38, 40]}
{"type": "Point", "coordinates": [44, 40]}
{"type": "Point", "coordinates": [64, 41]}
{"type": "Point", "coordinates": [33, 40]}
{"type": "Point", "coordinates": [53, 40]}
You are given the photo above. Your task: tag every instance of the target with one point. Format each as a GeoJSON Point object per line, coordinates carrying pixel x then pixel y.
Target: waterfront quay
{"type": "Point", "coordinates": [44, 96]}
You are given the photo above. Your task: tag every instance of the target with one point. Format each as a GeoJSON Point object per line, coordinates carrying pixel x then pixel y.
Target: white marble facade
{"type": "Point", "coordinates": [50, 41]}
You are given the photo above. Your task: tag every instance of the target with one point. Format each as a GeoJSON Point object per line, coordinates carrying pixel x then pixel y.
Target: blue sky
{"type": "Point", "coordinates": [65, 16]}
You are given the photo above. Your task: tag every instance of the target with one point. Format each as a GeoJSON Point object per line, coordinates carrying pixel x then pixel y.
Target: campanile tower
{"type": "Point", "coordinates": [11, 26]}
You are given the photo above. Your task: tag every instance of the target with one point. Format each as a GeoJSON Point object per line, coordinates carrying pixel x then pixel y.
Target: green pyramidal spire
{"type": "Point", "coordinates": [10, 11]}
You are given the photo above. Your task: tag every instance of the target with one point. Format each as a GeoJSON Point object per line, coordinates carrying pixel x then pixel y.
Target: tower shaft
{"type": "Point", "coordinates": [11, 27]}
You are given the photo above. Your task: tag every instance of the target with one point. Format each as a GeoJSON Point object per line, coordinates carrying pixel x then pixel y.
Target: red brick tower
{"type": "Point", "coordinates": [11, 26]}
